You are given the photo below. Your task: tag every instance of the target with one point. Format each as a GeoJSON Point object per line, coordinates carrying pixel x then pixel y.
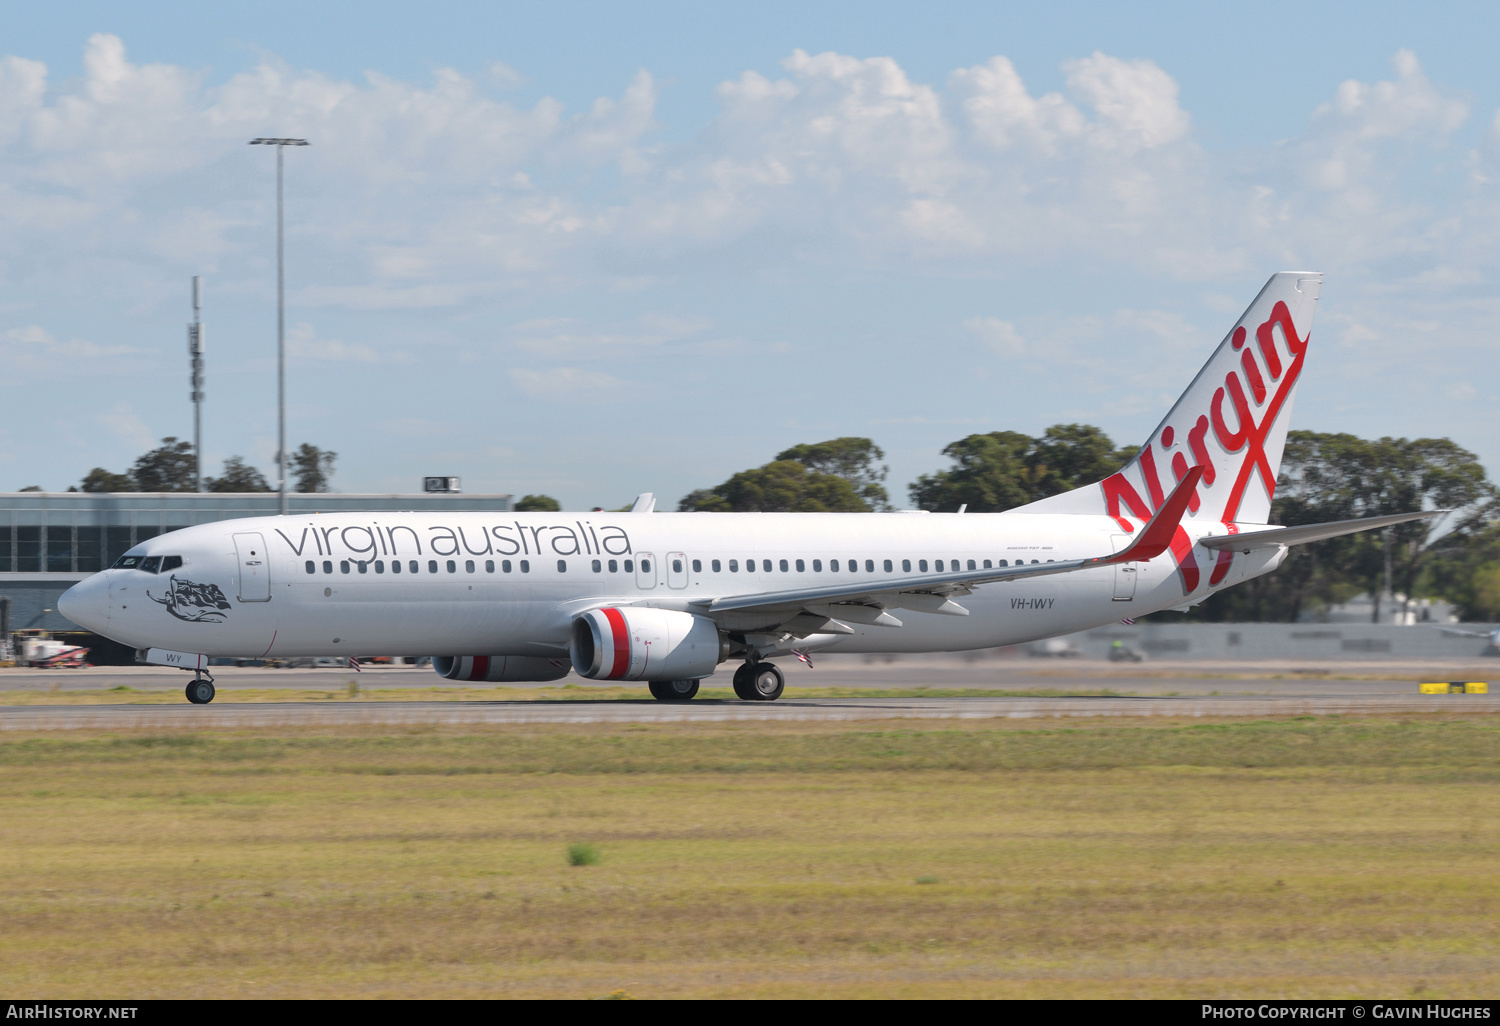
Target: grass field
{"type": "Point", "coordinates": [1297, 858]}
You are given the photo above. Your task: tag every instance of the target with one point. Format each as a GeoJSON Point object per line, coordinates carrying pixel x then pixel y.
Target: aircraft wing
{"type": "Point", "coordinates": [864, 603]}
{"type": "Point", "coordinates": [1310, 532]}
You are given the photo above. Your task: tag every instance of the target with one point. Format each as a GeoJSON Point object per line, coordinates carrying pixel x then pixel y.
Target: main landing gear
{"type": "Point", "coordinates": [201, 690]}
{"type": "Point", "coordinates": [759, 682]}
{"type": "Point", "coordinates": [672, 690]}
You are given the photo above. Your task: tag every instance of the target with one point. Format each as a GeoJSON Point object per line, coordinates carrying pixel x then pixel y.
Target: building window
{"type": "Point", "coordinates": [327, 566]}
{"type": "Point", "coordinates": [59, 549]}
{"type": "Point", "coordinates": [312, 567]}
{"type": "Point", "coordinates": [717, 566]}
{"type": "Point", "coordinates": [697, 566]}
{"type": "Point", "coordinates": [784, 567]}
{"type": "Point", "coordinates": [468, 566]}
{"type": "Point", "coordinates": [598, 567]}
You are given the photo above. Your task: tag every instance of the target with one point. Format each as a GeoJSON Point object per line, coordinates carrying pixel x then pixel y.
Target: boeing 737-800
{"type": "Point", "coordinates": [666, 598]}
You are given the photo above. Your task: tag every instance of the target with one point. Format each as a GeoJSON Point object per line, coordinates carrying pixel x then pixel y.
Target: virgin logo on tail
{"type": "Point", "coordinates": [1241, 451]}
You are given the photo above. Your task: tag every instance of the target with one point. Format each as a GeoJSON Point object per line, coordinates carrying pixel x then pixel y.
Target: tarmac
{"type": "Point", "coordinates": [1163, 689]}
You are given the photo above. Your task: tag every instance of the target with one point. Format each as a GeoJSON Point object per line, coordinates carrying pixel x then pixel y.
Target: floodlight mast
{"type": "Point", "coordinates": [280, 144]}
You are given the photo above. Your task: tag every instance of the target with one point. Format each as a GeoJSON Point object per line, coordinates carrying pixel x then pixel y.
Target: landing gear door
{"type": "Point", "coordinates": [255, 568]}
{"type": "Point", "coordinates": [645, 570]}
{"type": "Point", "coordinates": [1125, 573]}
{"type": "Point", "coordinates": [677, 571]}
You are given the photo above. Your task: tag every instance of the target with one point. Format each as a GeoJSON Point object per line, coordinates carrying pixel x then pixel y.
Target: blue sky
{"type": "Point", "coordinates": [595, 249]}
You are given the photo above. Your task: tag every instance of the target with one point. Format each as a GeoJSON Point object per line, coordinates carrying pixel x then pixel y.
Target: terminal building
{"type": "Point", "coordinates": [49, 541]}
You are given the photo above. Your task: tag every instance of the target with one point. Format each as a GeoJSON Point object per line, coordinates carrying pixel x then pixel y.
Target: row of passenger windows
{"type": "Point", "coordinates": [414, 566]}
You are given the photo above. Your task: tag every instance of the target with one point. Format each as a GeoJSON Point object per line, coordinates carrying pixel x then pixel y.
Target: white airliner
{"type": "Point", "coordinates": [667, 598]}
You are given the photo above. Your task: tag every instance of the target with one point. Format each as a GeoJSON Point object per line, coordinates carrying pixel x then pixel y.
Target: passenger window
{"type": "Point", "coordinates": [173, 562]}
{"type": "Point", "coordinates": [906, 566]}
{"type": "Point", "coordinates": [870, 566]}
{"type": "Point", "coordinates": [645, 566]}
{"type": "Point", "coordinates": [889, 566]}
{"type": "Point", "coordinates": [327, 566]}
{"type": "Point", "coordinates": [749, 566]}
{"type": "Point", "coordinates": [1005, 562]}
{"type": "Point", "coordinates": [784, 567]}
{"type": "Point", "coordinates": [937, 564]}
{"type": "Point", "coordinates": [614, 567]}
{"type": "Point", "coordinates": [598, 567]}
{"type": "Point", "coordinates": [801, 566]}
{"type": "Point", "coordinates": [412, 566]}
{"type": "Point", "coordinates": [525, 566]}
{"type": "Point", "coordinates": [151, 564]}
{"type": "Point", "coordinates": [818, 566]}
{"type": "Point", "coordinates": [562, 566]}
{"type": "Point", "coordinates": [677, 566]}
{"type": "Point", "coordinates": [312, 567]}
{"type": "Point", "coordinates": [489, 566]}
{"type": "Point", "coordinates": [853, 565]}
{"type": "Point", "coordinates": [697, 566]}
{"type": "Point", "coordinates": [765, 566]}
{"type": "Point", "coordinates": [972, 566]}
{"type": "Point", "coordinates": [380, 566]}
{"type": "Point", "coordinates": [833, 565]}
{"type": "Point", "coordinates": [630, 566]}
{"type": "Point", "coordinates": [922, 565]}
{"type": "Point", "coordinates": [395, 566]}
{"type": "Point", "coordinates": [452, 567]}
{"type": "Point", "coordinates": [468, 566]}
{"type": "Point", "coordinates": [364, 567]}
{"type": "Point", "coordinates": [505, 566]}
{"type": "Point", "coordinates": [734, 566]}
{"type": "Point", "coordinates": [343, 566]}
{"type": "Point", "coordinates": [986, 564]}
{"type": "Point", "coordinates": [432, 566]}
{"type": "Point", "coordinates": [1034, 562]}
{"type": "Point", "coordinates": [716, 565]}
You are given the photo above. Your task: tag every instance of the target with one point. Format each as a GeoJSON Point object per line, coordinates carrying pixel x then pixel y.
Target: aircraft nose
{"type": "Point", "coordinates": [87, 603]}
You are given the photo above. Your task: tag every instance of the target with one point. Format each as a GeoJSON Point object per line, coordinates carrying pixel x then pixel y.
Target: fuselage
{"type": "Point", "coordinates": [512, 583]}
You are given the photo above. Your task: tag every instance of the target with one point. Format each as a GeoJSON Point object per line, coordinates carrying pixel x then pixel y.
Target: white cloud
{"type": "Point", "coordinates": [1001, 336]}
{"type": "Point", "coordinates": [34, 348]}
{"type": "Point", "coordinates": [303, 344]}
{"type": "Point", "coordinates": [123, 422]}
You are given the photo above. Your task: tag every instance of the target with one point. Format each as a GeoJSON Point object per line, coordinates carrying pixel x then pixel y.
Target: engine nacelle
{"type": "Point", "coordinates": [640, 643]}
{"type": "Point", "coordinates": [500, 669]}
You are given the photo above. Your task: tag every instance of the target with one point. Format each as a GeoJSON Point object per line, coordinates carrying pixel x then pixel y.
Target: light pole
{"type": "Point", "coordinates": [280, 144]}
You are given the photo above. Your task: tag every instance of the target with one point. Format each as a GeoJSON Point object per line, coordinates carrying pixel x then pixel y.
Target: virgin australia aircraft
{"type": "Point", "coordinates": [666, 598]}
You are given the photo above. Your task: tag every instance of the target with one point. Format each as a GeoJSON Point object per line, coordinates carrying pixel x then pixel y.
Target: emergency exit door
{"type": "Point", "coordinates": [255, 568]}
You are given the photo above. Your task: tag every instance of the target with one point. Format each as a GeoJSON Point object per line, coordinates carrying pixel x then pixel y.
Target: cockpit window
{"type": "Point", "coordinates": [127, 562]}
{"type": "Point", "coordinates": [170, 563]}
{"type": "Point", "coordinates": [151, 564]}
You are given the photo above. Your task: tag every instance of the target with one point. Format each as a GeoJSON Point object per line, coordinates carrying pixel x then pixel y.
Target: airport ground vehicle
{"type": "Point", "coordinates": [666, 598]}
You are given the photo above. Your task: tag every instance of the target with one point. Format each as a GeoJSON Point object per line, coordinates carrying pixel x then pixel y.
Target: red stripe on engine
{"type": "Point", "coordinates": [621, 641]}
{"type": "Point", "coordinates": [481, 668]}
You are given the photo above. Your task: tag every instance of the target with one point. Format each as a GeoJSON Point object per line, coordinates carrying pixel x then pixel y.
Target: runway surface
{"type": "Point", "coordinates": [1132, 691]}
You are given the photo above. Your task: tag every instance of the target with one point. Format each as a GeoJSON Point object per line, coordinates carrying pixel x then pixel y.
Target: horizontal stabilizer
{"type": "Point", "coordinates": [1311, 532]}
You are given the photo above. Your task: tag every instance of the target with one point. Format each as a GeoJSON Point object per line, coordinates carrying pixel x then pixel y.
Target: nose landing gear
{"type": "Point", "coordinates": [201, 690]}
{"type": "Point", "coordinates": [759, 682]}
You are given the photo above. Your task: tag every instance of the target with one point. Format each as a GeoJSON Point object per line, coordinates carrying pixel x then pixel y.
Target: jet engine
{"type": "Point", "coordinates": [640, 643]}
{"type": "Point", "coordinates": [500, 669]}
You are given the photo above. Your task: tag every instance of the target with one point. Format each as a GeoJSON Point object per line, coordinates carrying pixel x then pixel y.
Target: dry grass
{"type": "Point", "coordinates": [1295, 858]}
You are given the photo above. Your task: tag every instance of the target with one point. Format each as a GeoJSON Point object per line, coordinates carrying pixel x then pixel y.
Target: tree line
{"type": "Point", "coordinates": [172, 467]}
{"type": "Point", "coordinates": [1323, 477]}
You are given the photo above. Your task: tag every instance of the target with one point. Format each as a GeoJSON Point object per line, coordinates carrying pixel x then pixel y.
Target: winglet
{"type": "Point", "coordinates": [1156, 536]}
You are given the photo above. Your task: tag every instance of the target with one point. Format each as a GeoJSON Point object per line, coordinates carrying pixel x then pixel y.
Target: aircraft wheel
{"type": "Point", "coordinates": [200, 692]}
{"type": "Point", "coordinates": [766, 683]}
{"type": "Point", "coordinates": [672, 690]}
{"type": "Point", "coordinates": [744, 686]}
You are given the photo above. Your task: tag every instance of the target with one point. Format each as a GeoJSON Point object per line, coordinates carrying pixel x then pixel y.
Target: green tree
{"type": "Point", "coordinates": [783, 486]}
{"type": "Point", "coordinates": [238, 477]}
{"type": "Point", "coordinates": [856, 460]}
{"type": "Point", "coordinates": [1004, 469]}
{"type": "Point", "coordinates": [312, 467]}
{"type": "Point", "coordinates": [537, 504]}
{"type": "Point", "coordinates": [101, 480]}
{"type": "Point", "coordinates": [169, 468]}
{"type": "Point", "coordinates": [32, 488]}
